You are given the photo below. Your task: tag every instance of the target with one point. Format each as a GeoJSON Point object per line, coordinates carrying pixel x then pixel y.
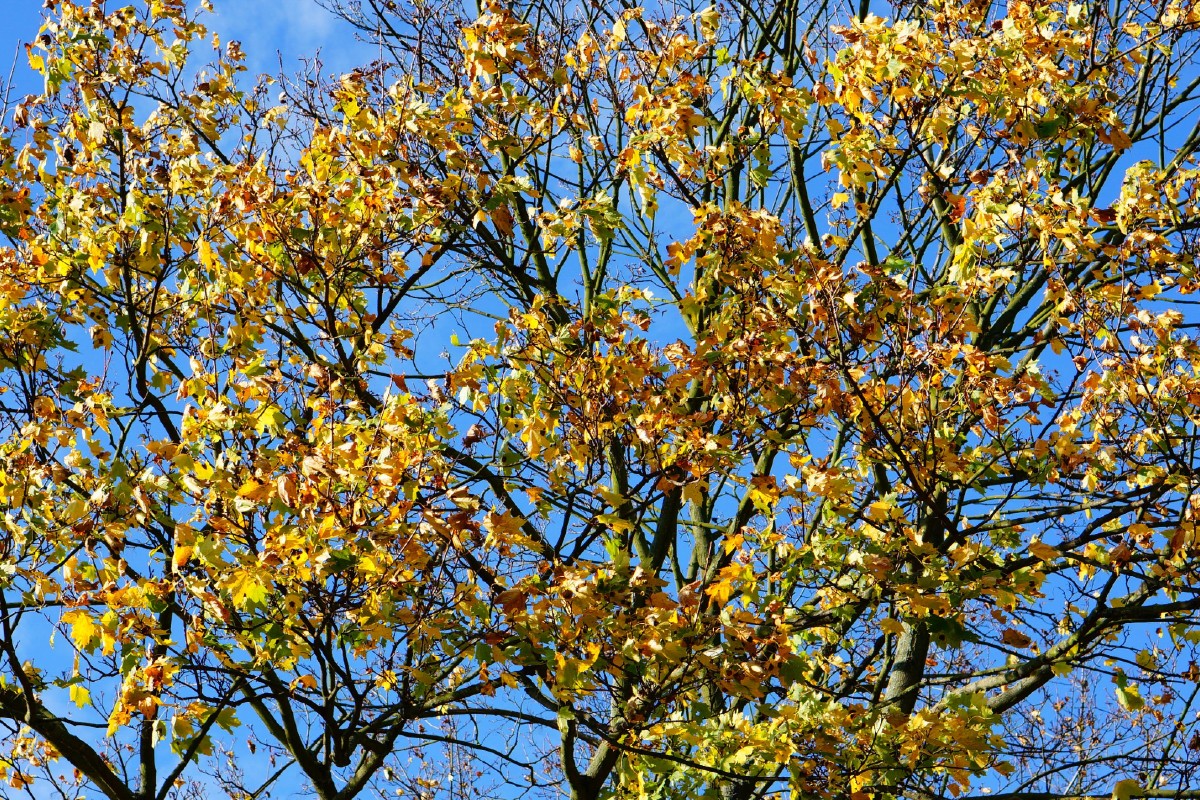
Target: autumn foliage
{"type": "Point", "coordinates": [739, 401]}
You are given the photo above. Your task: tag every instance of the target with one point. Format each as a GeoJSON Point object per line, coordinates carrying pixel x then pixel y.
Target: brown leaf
{"type": "Point", "coordinates": [1015, 638]}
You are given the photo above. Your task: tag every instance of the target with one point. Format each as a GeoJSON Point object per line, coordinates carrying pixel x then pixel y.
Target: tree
{"type": "Point", "coordinates": [734, 401]}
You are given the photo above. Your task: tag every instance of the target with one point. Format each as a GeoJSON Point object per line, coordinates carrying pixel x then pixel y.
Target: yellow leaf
{"type": "Point", "coordinates": [83, 627]}
{"type": "Point", "coordinates": [1130, 698]}
{"type": "Point", "coordinates": [181, 556]}
{"type": "Point", "coordinates": [80, 696]}
{"type": "Point", "coordinates": [270, 420]}
{"type": "Point", "coordinates": [1043, 551]}
{"type": "Point", "coordinates": [307, 682]}
{"type": "Point", "coordinates": [163, 449]}
{"type": "Point", "coordinates": [247, 589]}
{"type": "Point", "coordinates": [97, 257]}
{"type": "Point", "coordinates": [253, 490]}
{"type": "Point", "coordinates": [618, 33]}
{"type": "Point", "coordinates": [207, 258]}
{"type": "Point", "coordinates": [1123, 790]}
{"type": "Point", "coordinates": [615, 522]}
{"type": "Point", "coordinates": [721, 591]}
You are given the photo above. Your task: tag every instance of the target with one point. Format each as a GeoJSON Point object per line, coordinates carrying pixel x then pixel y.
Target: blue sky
{"type": "Point", "coordinates": [266, 29]}
{"type": "Point", "coordinates": [19, 23]}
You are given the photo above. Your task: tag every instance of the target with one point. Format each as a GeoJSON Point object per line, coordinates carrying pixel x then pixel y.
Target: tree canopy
{"type": "Point", "coordinates": [752, 400]}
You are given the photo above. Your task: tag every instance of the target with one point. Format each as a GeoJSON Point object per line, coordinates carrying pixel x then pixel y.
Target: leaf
{"type": "Point", "coordinates": [618, 33]}
{"type": "Point", "coordinates": [271, 419]}
{"type": "Point", "coordinates": [247, 589]}
{"type": "Point", "coordinates": [254, 490]}
{"type": "Point", "coordinates": [1119, 139]}
{"type": "Point", "coordinates": [721, 591]}
{"type": "Point", "coordinates": [1126, 789]}
{"type": "Point", "coordinates": [1130, 698]}
{"type": "Point", "coordinates": [84, 630]}
{"type": "Point", "coordinates": [1043, 551]}
{"type": "Point", "coordinates": [80, 695]}
{"type": "Point", "coordinates": [1015, 638]}
{"type": "Point", "coordinates": [207, 256]}
{"type": "Point", "coordinates": [226, 719]}
{"type": "Point", "coordinates": [305, 682]}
